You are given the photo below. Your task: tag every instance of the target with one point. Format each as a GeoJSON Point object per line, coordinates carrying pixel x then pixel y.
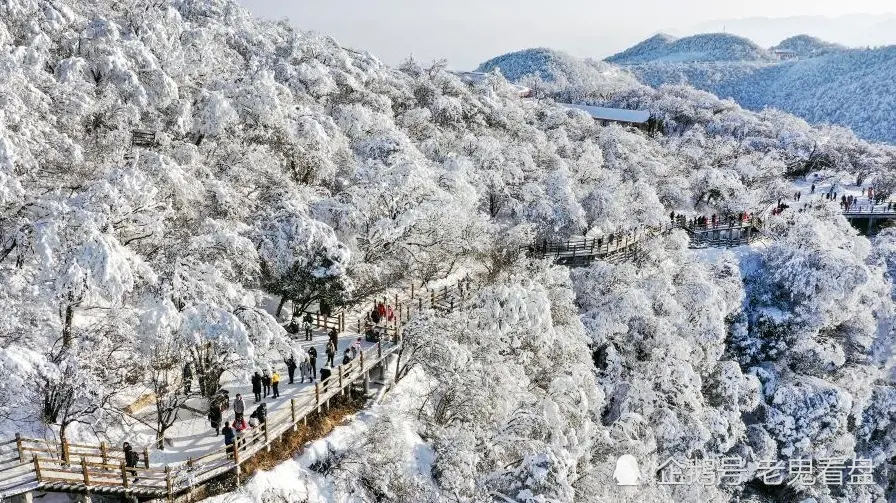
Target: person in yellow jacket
{"type": "Point", "coordinates": [275, 384]}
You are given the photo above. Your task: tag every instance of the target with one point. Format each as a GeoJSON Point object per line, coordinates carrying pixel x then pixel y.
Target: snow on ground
{"type": "Point", "coordinates": [294, 480]}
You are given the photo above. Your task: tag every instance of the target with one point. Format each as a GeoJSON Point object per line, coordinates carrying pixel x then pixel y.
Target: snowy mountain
{"type": "Point", "coordinates": [805, 46]}
{"type": "Point", "coordinates": [851, 30]}
{"type": "Point", "coordinates": [537, 68]}
{"type": "Point", "coordinates": [178, 180]}
{"type": "Point", "coordinates": [709, 47]}
{"type": "Point", "coordinates": [825, 84]}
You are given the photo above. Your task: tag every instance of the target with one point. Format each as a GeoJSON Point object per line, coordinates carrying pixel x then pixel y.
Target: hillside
{"type": "Point", "coordinates": [180, 182]}
{"type": "Point", "coordinates": [853, 88]}
{"type": "Point", "coordinates": [805, 46]}
{"type": "Point", "coordinates": [709, 47]}
{"type": "Point", "coordinates": [534, 67]}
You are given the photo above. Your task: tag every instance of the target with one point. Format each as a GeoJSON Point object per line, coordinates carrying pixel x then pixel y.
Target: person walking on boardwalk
{"type": "Point", "coordinates": [306, 326]}
{"type": "Point", "coordinates": [275, 383]}
{"type": "Point", "coordinates": [291, 368]}
{"type": "Point", "coordinates": [356, 348]}
{"type": "Point", "coordinates": [312, 361]}
{"type": "Point", "coordinates": [266, 382]}
{"type": "Point", "coordinates": [325, 373]}
{"type": "Point", "coordinates": [229, 435]}
{"type": "Point", "coordinates": [256, 386]}
{"type": "Point", "coordinates": [305, 370]}
{"type": "Point", "coordinates": [260, 413]}
{"type": "Point", "coordinates": [214, 417]}
{"type": "Point", "coordinates": [130, 458]}
{"type": "Point", "coordinates": [239, 407]}
{"type": "Point", "coordinates": [334, 336]}
{"type": "Point", "coordinates": [346, 357]}
{"type": "Point", "coordinates": [331, 353]}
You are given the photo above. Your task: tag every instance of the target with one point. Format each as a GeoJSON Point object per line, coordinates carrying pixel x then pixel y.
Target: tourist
{"type": "Point", "coordinates": [240, 425]}
{"type": "Point", "coordinates": [260, 413]}
{"type": "Point", "coordinates": [214, 417]}
{"type": "Point", "coordinates": [239, 407]}
{"type": "Point", "coordinates": [256, 386]}
{"type": "Point", "coordinates": [325, 373]}
{"type": "Point", "coordinates": [312, 361]}
{"type": "Point", "coordinates": [131, 458]}
{"type": "Point", "coordinates": [305, 370]}
{"type": "Point", "coordinates": [291, 368]}
{"type": "Point", "coordinates": [229, 435]}
{"type": "Point", "coordinates": [275, 383]}
{"type": "Point", "coordinates": [346, 357]}
{"type": "Point", "coordinates": [266, 382]}
{"type": "Point", "coordinates": [331, 353]}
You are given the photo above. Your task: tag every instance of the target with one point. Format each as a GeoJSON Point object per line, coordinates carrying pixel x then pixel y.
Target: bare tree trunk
{"type": "Point", "coordinates": [67, 327]}
{"type": "Point", "coordinates": [280, 305]}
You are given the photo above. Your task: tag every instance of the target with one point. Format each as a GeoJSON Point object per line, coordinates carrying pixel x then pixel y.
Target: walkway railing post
{"type": "Point", "coordinates": [379, 349]}
{"type": "Point", "coordinates": [292, 408]}
{"type": "Point", "coordinates": [105, 455]}
{"type": "Point", "coordinates": [236, 453]}
{"type": "Point", "coordinates": [169, 485]}
{"type": "Point", "coordinates": [412, 290]}
{"type": "Point", "coordinates": [362, 360]}
{"type": "Point", "coordinates": [36, 467]}
{"type": "Point", "coordinates": [20, 448]}
{"type": "Point", "coordinates": [84, 472]}
{"type": "Point", "coordinates": [124, 475]}
{"type": "Point", "coordinates": [339, 369]}
{"type": "Point", "coordinates": [359, 325]}
{"type": "Point", "coordinates": [317, 396]}
{"type": "Point", "coordinates": [146, 457]}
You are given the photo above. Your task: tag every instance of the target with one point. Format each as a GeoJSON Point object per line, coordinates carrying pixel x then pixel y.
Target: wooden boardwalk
{"type": "Point", "coordinates": [583, 251]}
{"type": "Point", "coordinates": [35, 465]}
{"type": "Point", "coordinates": [30, 465]}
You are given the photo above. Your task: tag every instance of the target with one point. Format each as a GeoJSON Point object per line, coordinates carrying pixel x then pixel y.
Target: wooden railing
{"type": "Point", "coordinates": [583, 250]}
{"type": "Point", "coordinates": [325, 322]}
{"type": "Point", "coordinates": [27, 464]}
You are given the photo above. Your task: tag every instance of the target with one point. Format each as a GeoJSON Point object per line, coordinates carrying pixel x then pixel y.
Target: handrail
{"type": "Point", "coordinates": [80, 469]}
{"type": "Point", "coordinates": [103, 466]}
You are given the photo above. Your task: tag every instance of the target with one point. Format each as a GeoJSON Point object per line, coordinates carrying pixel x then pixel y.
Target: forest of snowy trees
{"type": "Point", "coordinates": [286, 171]}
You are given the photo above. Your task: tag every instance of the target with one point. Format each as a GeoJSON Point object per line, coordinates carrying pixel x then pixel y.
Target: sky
{"type": "Point", "coordinates": [468, 32]}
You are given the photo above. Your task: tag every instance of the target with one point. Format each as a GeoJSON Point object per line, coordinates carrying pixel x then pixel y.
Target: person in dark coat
{"type": "Point", "coordinates": [229, 435]}
{"type": "Point", "coordinates": [256, 386]}
{"type": "Point", "coordinates": [325, 373]}
{"type": "Point", "coordinates": [260, 413]}
{"type": "Point", "coordinates": [331, 353]}
{"type": "Point", "coordinates": [214, 416]}
{"type": "Point", "coordinates": [312, 359]}
{"type": "Point", "coordinates": [291, 368]}
{"type": "Point", "coordinates": [346, 357]}
{"type": "Point", "coordinates": [130, 458]}
{"type": "Point", "coordinates": [334, 337]}
{"type": "Point", "coordinates": [266, 383]}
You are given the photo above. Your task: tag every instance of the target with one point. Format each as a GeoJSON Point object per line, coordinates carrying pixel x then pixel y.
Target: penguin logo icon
{"type": "Point", "coordinates": [627, 472]}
